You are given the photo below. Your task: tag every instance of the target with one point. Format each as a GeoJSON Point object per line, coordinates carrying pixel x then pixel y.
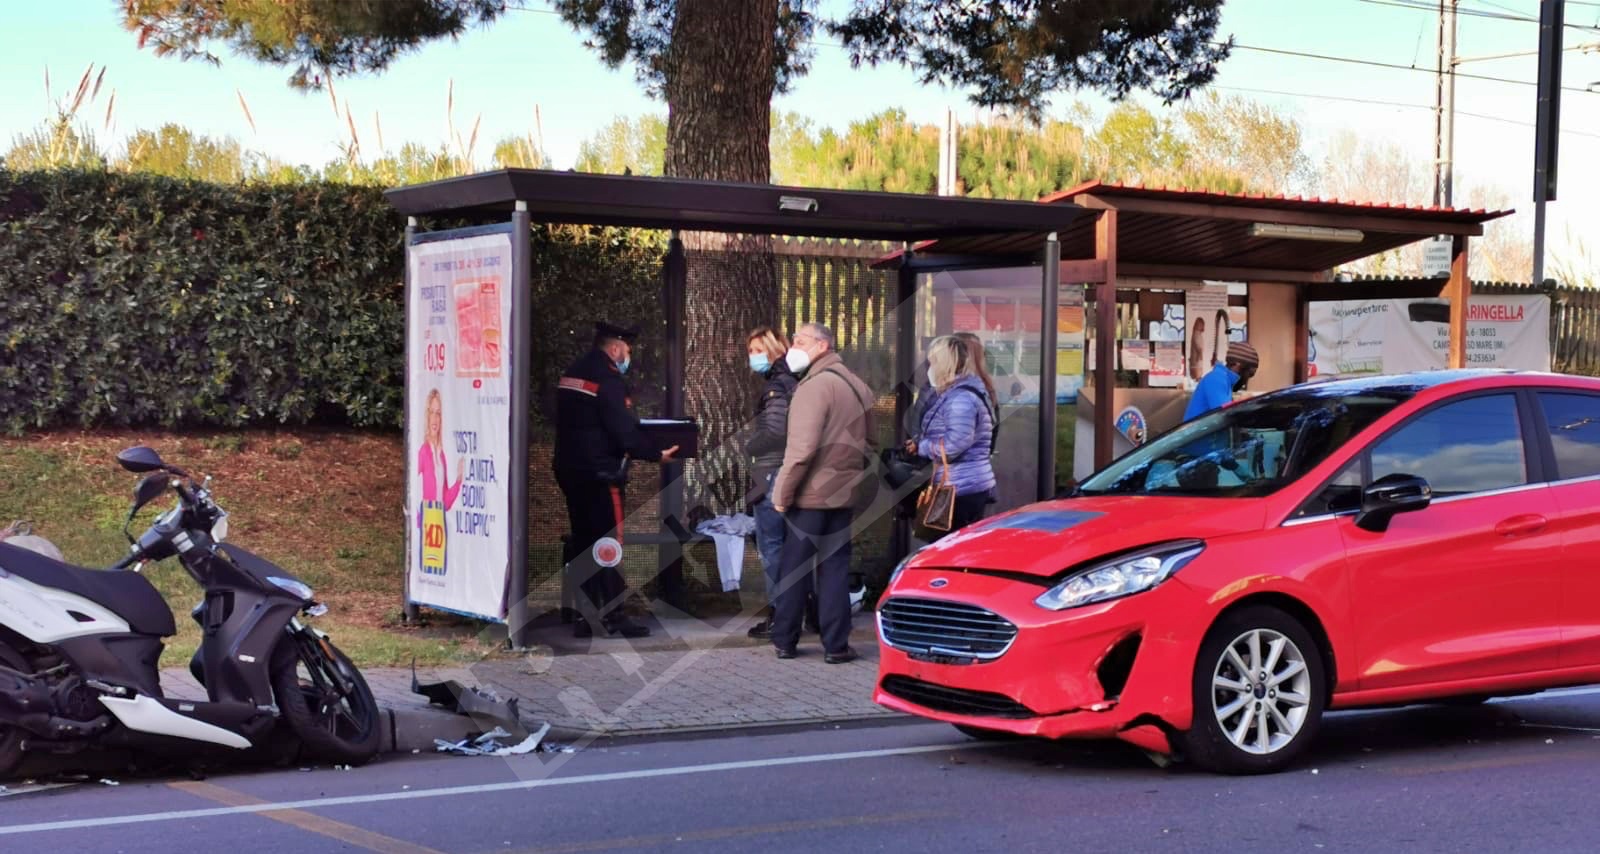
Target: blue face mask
{"type": "Point", "coordinates": [622, 366]}
{"type": "Point", "coordinates": [760, 363]}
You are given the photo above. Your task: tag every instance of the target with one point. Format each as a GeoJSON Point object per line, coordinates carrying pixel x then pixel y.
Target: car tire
{"type": "Point", "coordinates": [1246, 724]}
{"type": "Point", "coordinates": [982, 734]}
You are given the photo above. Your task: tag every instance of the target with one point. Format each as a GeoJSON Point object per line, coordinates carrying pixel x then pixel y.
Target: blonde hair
{"type": "Point", "coordinates": [774, 342]}
{"type": "Point", "coordinates": [429, 435]}
{"type": "Point", "coordinates": [947, 359]}
{"type": "Point", "coordinates": [977, 360]}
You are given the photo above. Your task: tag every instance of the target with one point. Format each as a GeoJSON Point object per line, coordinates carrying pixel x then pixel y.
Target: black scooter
{"type": "Point", "coordinates": [79, 648]}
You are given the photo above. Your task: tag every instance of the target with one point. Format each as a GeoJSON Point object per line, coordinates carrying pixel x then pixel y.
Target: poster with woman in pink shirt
{"type": "Point", "coordinates": [438, 492]}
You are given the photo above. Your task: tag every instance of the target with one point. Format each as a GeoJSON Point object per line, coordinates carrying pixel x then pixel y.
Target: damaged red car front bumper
{"type": "Point", "coordinates": [1120, 669]}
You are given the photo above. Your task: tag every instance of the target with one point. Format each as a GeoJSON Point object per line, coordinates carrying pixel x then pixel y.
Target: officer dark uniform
{"type": "Point", "coordinates": [596, 434]}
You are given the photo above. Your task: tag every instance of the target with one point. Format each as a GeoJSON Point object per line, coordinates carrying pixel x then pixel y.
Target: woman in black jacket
{"type": "Point", "coordinates": [767, 347]}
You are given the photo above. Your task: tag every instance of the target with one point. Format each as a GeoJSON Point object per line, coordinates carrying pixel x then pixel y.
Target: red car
{"type": "Point", "coordinates": [1351, 543]}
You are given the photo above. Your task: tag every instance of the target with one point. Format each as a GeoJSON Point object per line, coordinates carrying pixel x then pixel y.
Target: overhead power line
{"type": "Point", "coordinates": [1508, 15]}
{"type": "Point", "coordinates": [1373, 63]}
{"type": "Point", "coordinates": [1376, 102]}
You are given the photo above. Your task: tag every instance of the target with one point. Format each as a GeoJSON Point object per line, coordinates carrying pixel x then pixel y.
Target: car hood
{"type": "Point", "coordinates": [1044, 539]}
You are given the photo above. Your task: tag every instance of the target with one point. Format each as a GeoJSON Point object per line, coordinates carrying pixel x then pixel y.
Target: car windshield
{"type": "Point", "coordinates": [1245, 450]}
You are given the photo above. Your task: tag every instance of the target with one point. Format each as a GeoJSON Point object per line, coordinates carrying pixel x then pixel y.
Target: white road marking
{"type": "Point", "coordinates": [485, 788]}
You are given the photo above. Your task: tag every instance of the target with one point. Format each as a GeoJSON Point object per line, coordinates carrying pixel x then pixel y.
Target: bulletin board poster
{"type": "Point", "coordinates": [458, 423]}
{"type": "Point", "coordinates": [1166, 366]}
{"type": "Point", "coordinates": [1070, 341]}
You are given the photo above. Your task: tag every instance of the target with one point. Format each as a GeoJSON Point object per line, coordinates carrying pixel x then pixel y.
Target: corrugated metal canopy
{"type": "Point", "coordinates": [671, 203]}
{"type": "Point", "coordinates": [1200, 230]}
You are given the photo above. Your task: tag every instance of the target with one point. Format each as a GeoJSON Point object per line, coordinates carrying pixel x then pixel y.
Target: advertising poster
{"type": "Point", "coordinates": [1069, 344]}
{"type": "Point", "coordinates": [1166, 365]}
{"type": "Point", "coordinates": [1353, 337]}
{"type": "Point", "coordinates": [1347, 337]}
{"type": "Point", "coordinates": [458, 424]}
{"type": "Point", "coordinates": [1502, 332]}
{"type": "Point", "coordinates": [1207, 324]}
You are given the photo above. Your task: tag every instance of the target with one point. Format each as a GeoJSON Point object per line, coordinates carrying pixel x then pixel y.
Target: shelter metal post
{"type": "Point", "coordinates": [1105, 340]}
{"type": "Point", "coordinates": [411, 612]}
{"type": "Point", "coordinates": [1302, 335]}
{"type": "Point", "coordinates": [1459, 291]}
{"type": "Point", "coordinates": [674, 294]}
{"type": "Point", "coordinates": [1047, 367]}
{"type": "Point", "coordinates": [518, 621]}
{"type": "Point", "coordinates": [905, 350]}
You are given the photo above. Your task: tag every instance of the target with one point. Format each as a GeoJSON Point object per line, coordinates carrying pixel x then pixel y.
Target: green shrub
{"type": "Point", "coordinates": [138, 300]}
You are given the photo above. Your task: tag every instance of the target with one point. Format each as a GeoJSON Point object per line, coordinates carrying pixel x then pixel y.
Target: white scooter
{"type": "Point", "coordinates": [79, 648]}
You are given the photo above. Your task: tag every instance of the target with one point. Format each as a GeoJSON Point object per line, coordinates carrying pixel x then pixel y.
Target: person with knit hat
{"type": "Point", "coordinates": [1215, 389]}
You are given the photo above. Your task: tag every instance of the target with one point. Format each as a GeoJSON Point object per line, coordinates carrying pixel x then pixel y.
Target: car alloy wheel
{"type": "Point", "coordinates": [1261, 691]}
{"type": "Point", "coordinates": [1259, 688]}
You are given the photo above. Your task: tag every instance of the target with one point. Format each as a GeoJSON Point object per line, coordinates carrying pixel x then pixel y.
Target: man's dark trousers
{"type": "Point", "coordinates": [594, 510]}
{"type": "Point", "coordinates": [817, 540]}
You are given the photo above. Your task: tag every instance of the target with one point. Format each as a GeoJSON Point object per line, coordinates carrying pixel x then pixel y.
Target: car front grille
{"type": "Point", "coordinates": [952, 629]}
{"type": "Point", "coordinates": [956, 701]}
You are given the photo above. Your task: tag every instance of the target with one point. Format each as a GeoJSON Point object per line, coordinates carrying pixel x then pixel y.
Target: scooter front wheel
{"type": "Point", "coordinates": [325, 701]}
{"type": "Point", "coordinates": [11, 738]}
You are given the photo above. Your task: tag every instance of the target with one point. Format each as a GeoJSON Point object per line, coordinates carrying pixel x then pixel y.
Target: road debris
{"type": "Point", "coordinates": [493, 743]}
{"type": "Point", "coordinates": [476, 703]}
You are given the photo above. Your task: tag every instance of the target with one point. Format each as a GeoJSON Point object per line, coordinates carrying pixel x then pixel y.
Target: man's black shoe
{"type": "Point", "coordinates": [628, 628]}
{"type": "Point", "coordinates": [762, 630]}
{"type": "Point", "coordinates": [845, 657]}
{"type": "Point", "coordinates": [786, 652]}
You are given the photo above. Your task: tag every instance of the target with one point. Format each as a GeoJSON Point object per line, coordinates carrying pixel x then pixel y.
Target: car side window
{"type": "Point", "coordinates": [1471, 445]}
{"type": "Point", "coordinates": [1574, 421]}
{"type": "Point", "coordinates": [1340, 495]}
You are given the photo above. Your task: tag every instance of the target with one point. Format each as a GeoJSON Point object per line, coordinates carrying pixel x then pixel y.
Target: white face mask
{"type": "Point", "coordinates": [931, 381]}
{"type": "Point", "coordinates": [797, 359]}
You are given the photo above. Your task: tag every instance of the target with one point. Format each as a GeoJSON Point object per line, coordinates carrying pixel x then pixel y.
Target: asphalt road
{"type": "Point", "coordinates": [1515, 775]}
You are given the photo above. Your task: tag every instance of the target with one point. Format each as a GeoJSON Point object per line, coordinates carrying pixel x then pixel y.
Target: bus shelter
{"type": "Point", "coordinates": [1153, 283]}
{"type": "Point", "coordinates": [468, 310]}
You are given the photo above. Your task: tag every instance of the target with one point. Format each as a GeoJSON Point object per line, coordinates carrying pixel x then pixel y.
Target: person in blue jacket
{"type": "Point", "coordinates": [1215, 389]}
{"type": "Point", "coordinates": [959, 422]}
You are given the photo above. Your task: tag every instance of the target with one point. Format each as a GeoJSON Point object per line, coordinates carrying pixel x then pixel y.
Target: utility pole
{"type": "Point", "coordinates": [947, 154]}
{"type": "Point", "coordinates": [1444, 122]}
{"type": "Point", "coordinates": [1547, 123]}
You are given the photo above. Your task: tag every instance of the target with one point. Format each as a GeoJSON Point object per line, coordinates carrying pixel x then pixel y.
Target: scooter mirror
{"type": "Point", "coordinates": [151, 487]}
{"type": "Point", "coordinates": [140, 459]}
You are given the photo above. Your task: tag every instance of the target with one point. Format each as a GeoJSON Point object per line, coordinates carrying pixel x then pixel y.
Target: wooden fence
{"type": "Point", "coordinates": [1574, 324]}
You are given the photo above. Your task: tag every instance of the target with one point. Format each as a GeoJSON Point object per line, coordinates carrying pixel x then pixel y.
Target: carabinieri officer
{"type": "Point", "coordinates": [596, 434]}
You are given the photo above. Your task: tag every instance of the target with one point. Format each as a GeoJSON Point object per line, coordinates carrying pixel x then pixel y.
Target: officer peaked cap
{"type": "Point", "coordinates": [606, 330]}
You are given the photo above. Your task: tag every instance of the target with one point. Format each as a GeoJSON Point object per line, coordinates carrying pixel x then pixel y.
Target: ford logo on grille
{"type": "Point", "coordinates": [938, 582]}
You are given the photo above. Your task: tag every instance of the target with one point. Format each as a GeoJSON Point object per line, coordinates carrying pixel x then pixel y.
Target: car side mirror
{"type": "Point", "coordinates": [140, 459]}
{"type": "Point", "coordinates": [1391, 494]}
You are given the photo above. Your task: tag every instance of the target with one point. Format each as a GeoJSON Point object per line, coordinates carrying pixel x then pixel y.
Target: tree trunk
{"type": "Point", "coordinates": [719, 85]}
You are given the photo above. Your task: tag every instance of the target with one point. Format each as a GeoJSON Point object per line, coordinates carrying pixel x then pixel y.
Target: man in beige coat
{"type": "Point", "coordinates": [823, 467]}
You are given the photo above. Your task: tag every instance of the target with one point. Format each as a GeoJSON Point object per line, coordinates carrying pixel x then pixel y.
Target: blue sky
{"type": "Point", "coordinates": [530, 58]}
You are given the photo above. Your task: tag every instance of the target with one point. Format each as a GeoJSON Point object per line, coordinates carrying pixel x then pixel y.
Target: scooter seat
{"type": "Point", "coordinates": [129, 595]}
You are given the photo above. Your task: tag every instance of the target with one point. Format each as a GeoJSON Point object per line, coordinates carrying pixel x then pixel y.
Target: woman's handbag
{"type": "Point", "coordinates": [936, 506]}
{"type": "Point", "coordinates": [901, 468]}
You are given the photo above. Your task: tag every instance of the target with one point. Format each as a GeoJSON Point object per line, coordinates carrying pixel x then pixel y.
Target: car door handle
{"type": "Point", "coordinates": [1520, 526]}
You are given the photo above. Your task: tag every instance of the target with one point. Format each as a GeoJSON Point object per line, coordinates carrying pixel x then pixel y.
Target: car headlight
{"type": "Point", "coordinates": [219, 528]}
{"type": "Point", "coordinates": [1121, 576]}
{"type": "Point", "coordinates": [293, 587]}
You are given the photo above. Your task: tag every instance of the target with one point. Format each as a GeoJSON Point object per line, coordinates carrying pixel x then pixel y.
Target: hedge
{"type": "Point", "coordinates": [138, 300]}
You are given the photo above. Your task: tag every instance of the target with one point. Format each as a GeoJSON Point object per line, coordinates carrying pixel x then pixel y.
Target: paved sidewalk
{"type": "Point", "coordinates": [614, 690]}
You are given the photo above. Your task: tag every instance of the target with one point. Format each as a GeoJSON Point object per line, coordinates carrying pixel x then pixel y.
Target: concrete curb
{"type": "Point", "coordinates": [414, 728]}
